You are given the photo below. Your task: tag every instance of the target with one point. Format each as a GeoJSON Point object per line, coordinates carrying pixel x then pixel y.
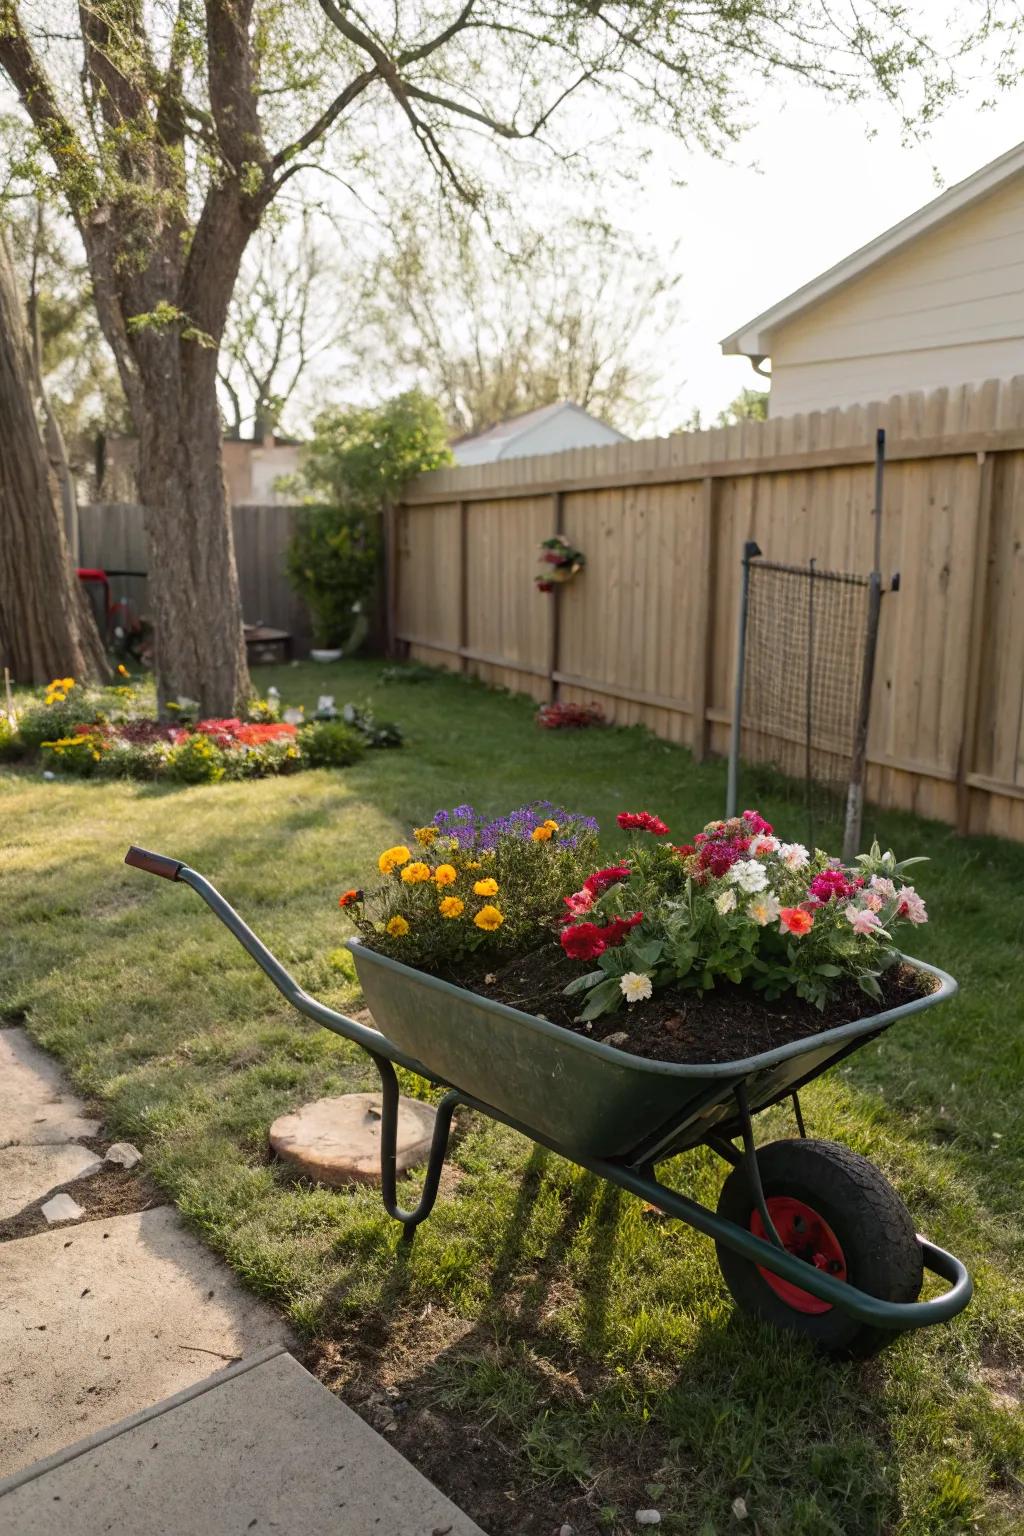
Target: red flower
{"type": "Point", "coordinates": [601, 879]}
{"type": "Point", "coordinates": [347, 898]}
{"type": "Point", "coordinates": [717, 856]}
{"type": "Point", "coordinates": [583, 942]}
{"type": "Point", "coordinates": [757, 824]}
{"type": "Point", "coordinates": [796, 920]}
{"type": "Point", "coordinates": [642, 821]}
{"type": "Point", "coordinates": [273, 730]}
{"type": "Point", "coordinates": [615, 932]}
{"type": "Point", "coordinates": [831, 882]}
{"type": "Point", "coordinates": [684, 850]}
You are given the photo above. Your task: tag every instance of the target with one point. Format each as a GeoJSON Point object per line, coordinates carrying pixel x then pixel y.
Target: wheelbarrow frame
{"type": "Point", "coordinates": [636, 1172]}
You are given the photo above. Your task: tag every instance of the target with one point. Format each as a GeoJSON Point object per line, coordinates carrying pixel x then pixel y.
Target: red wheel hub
{"type": "Point", "coordinates": [809, 1237]}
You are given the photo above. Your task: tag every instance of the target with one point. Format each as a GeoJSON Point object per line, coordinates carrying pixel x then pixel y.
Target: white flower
{"type": "Point", "coordinates": [764, 910]}
{"type": "Point", "coordinates": [793, 855]}
{"type": "Point", "coordinates": [762, 843]}
{"type": "Point", "coordinates": [726, 902]}
{"type": "Point", "coordinates": [911, 906]}
{"type": "Point", "coordinates": [635, 987]}
{"type": "Point", "coordinates": [749, 875]}
{"type": "Point", "coordinates": [883, 886]}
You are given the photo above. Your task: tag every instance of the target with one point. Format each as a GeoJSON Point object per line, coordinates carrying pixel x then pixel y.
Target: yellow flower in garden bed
{"type": "Point", "coordinates": [397, 927]}
{"type": "Point", "coordinates": [451, 906]}
{"type": "Point", "coordinates": [488, 918]}
{"type": "Point", "coordinates": [415, 873]}
{"type": "Point", "coordinates": [425, 836]}
{"type": "Point", "coordinates": [486, 887]}
{"type": "Point", "coordinates": [543, 834]}
{"type": "Point", "coordinates": [445, 874]}
{"type": "Point", "coordinates": [391, 858]}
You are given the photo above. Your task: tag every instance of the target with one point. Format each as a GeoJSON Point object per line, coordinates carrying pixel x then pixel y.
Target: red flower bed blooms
{"type": "Point", "coordinates": [601, 879]}
{"type": "Point", "coordinates": [585, 941]}
{"type": "Point", "coordinates": [560, 716]}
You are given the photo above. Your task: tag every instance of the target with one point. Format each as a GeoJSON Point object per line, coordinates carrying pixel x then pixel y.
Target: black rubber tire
{"type": "Point", "coordinates": [873, 1226]}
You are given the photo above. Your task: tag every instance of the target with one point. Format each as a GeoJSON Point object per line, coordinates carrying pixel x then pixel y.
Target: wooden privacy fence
{"type": "Point", "coordinates": [649, 628]}
{"type": "Point", "coordinates": [112, 536]}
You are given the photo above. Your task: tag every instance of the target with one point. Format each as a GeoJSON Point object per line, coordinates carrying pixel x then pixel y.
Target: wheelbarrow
{"type": "Point", "coordinates": [810, 1236]}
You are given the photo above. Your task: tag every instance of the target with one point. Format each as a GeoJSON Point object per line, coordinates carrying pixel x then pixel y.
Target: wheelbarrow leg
{"type": "Point", "coordinates": [410, 1220]}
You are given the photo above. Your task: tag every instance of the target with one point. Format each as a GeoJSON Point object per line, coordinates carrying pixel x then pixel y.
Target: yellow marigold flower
{"type": "Point", "coordinates": [425, 836]}
{"type": "Point", "coordinates": [397, 927]}
{"type": "Point", "coordinates": [488, 918]}
{"type": "Point", "coordinates": [471, 864]}
{"type": "Point", "coordinates": [451, 906]}
{"type": "Point", "coordinates": [56, 698]}
{"type": "Point", "coordinates": [392, 857]}
{"type": "Point", "coordinates": [552, 826]}
{"type": "Point", "coordinates": [415, 873]}
{"type": "Point", "coordinates": [541, 834]}
{"type": "Point", "coordinates": [486, 887]}
{"type": "Point", "coordinates": [446, 874]}
{"type": "Point", "coordinates": [122, 670]}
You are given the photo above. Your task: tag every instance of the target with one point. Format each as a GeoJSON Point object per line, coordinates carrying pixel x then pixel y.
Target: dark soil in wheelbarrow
{"type": "Point", "coordinates": [678, 1024]}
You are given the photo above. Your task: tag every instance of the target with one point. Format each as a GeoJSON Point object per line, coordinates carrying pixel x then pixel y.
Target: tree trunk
{"type": "Point", "coordinates": [193, 584]}
{"type": "Point", "coordinates": [46, 625]}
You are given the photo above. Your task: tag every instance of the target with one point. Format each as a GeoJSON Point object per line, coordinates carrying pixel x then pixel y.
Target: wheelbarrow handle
{"type": "Point", "coordinates": [154, 863]}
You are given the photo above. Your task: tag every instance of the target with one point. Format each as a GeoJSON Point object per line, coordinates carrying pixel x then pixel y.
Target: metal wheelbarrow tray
{"type": "Point", "coordinates": [810, 1236]}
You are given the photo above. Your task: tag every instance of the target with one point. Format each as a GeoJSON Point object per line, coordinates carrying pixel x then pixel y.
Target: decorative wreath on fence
{"type": "Point", "coordinates": [560, 563]}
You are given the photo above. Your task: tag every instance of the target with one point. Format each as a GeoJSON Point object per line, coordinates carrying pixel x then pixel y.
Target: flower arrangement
{"type": "Point", "coordinates": [560, 562]}
{"type": "Point", "coordinates": [111, 732]}
{"type": "Point", "coordinates": [465, 883]}
{"type": "Point", "coordinates": [563, 716]}
{"type": "Point", "coordinates": [736, 906]}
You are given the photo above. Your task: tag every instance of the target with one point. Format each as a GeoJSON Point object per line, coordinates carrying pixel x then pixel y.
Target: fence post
{"type": "Point", "coordinates": [390, 542]}
{"type": "Point", "coordinates": [975, 639]}
{"type": "Point", "coordinates": [463, 585]}
{"type": "Point", "coordinates": [555, 624]}
{"type": "Point", "coordinates": [704, 579]}
{"type": "Point", "coordinates": [750, 552]}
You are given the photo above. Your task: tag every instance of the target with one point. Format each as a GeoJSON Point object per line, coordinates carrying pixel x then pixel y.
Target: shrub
{"type": "Point", "coordinates": [78, 753]}
{"type": "Point", "coordinates": [331, 744]}
{"type": "Point", "coordinates": [12, 744]}
{"type": "Point", "coordinates": [196, 759]}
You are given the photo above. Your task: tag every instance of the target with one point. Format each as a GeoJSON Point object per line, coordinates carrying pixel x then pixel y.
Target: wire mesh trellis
{"type": "Point", "coordinates": [804, 649]}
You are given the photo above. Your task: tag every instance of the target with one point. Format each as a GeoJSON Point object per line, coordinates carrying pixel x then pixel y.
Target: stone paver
{"type": "Point", "coordinates": [266, 1450]}
{"type": "Point", "coordinates": [100, 1320]}
{"type": "Point", "coordinates": [338, 1140]}
{"type": "Point", "coordinates": [35, 1106]}
{"type": "Point", "coordinates": [28, 1172]}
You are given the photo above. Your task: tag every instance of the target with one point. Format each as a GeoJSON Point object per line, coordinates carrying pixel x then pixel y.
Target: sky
{"type": "Point", "coordinates": [806, 187]}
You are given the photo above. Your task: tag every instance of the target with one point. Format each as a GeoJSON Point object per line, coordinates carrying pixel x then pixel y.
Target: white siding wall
{"type": "Point", "coordinates": [948, 309]}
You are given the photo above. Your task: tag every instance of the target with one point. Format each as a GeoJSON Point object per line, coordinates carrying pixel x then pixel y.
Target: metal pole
{"type": "Point", "coordinates": [750, 552]}
{"type": "Point", "coordinates": [855, 792]}
{"type": "Point", "coordinates": [809, 704]}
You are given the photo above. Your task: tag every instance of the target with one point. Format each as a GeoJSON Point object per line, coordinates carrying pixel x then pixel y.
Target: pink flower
{"type": "Point", "coordinates": [863, 921]}
{"type": "Point", "coordinates": [579, 902]}
{"type": "Point", "coordinates": [911, 906]}
{"type": "Point", "coordinates": [756, 822]}
{"type": "Point", "coordinates": [831, 882]}
{"type": "Point", "coordinates": [884, 887]}
{"type": "Point", "coordinates": [762, 843]}
{"type": "Point", "coordinates": [874, 901]}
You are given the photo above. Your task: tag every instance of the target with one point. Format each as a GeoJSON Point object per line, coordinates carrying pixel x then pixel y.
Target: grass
{"type": "Point", "coordinates": [563, 1354]}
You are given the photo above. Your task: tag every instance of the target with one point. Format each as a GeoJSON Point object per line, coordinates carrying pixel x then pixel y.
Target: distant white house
{"type": "Point", "coordinates": [936, 300]}
{"type": "Point", "coordinates": [549, 429]}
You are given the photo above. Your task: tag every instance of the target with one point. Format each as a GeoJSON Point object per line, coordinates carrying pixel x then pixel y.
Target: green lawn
{"type": "Point", "coordinates": [554, 1351]}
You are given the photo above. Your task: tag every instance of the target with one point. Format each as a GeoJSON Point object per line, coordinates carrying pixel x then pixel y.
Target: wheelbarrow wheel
{"type": "Point", "coordinates": [836, 1210]}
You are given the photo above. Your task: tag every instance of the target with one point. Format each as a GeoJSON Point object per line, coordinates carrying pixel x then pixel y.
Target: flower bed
{"type": "Point", "coordinates": [710, 950]}
{"type": "Point", "coordinates": [111, 732]}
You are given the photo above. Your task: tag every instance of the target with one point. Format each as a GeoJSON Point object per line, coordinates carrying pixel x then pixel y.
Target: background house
{"type": "Point", "coordinates": [251, 470]}
{"type": "Point", "coordinates": [549, 429]}
{"type": "Point", "coordinates": [936, 300]}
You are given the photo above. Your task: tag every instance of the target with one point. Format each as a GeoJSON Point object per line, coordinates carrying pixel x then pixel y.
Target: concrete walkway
{"type": "Point", "coordinates": [118, 1328]}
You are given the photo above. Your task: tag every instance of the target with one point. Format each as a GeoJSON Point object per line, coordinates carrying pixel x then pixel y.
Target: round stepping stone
{"type": "Point", "coordinates": [337, 1141]}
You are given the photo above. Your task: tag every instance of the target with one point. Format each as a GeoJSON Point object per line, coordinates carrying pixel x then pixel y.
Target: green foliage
{"type": "Point", "coordinates": [749, 405]}
{"type": "Point", "coordinates": [331, 744]}
{"type": "Point", "coordinates": [359, 458]}
{"type": "Point", "coordinates": [11, 744]}
{"type": "Point", "coordinates": [80, 753]}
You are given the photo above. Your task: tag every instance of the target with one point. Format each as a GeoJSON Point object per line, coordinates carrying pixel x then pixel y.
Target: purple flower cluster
{"type": "Point", "coordinates": [472, 830]}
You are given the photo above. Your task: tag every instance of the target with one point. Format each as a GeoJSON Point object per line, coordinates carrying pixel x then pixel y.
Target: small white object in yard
{"type": "Point", "coordinates": [62, 1208]}
{"type": "Point", "coordinates": [648, 1517]}
{"type": "Point", "coordinates": [566, 1530]}
{"type": "Point", "coordinates": [124, 1153]}
{"type": "Point", "coordinates": [273, 693]}
{"type": "Point", "coordinates": [325, 704]}
{"type": "Point", "coordinates": [739, 1508]}
{"type": "Point", "coordinates": [293, 717]}
{"type": "Point", "coordinates": [619, 1038]}
{"type": "Point", "coordinates": [48, 775]}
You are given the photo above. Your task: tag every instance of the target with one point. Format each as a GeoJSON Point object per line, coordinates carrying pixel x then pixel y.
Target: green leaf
{"type": "Point", "coordinates": [603, 999]}
{"type": "Point", "coordinates": [582, 983]}
{"type": "Point", "coordinates": [827, 970]}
